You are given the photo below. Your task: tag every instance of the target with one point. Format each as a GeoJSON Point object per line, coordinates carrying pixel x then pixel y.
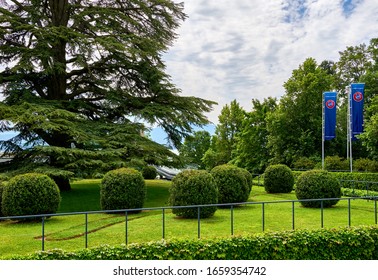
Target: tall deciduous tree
{"type": "Point", "coordinates": [251, 151]}
{"type": "Point", "coordinates": [230, 124]}
{"type": "Point", "coordinates": [295, 127]}
{"type": "Point", "coordinates": [79, 73]}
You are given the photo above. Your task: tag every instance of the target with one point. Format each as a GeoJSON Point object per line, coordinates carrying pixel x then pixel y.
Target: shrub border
{"type": "Point", "coordinates": [345, 243]}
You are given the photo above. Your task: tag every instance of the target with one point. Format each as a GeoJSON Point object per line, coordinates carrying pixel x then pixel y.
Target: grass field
{"type": "Point", "coordinates": [68, 232]}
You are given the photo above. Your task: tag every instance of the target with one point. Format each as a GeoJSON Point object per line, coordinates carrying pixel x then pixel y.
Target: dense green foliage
{"type": "Point", "coordinates": [251, 150]}
{"type": "Point", "coordinates": [193, 187]}
{"type": "Point", "coordinates": [336, 163]}
{"type": "Point", "coordinates": [76, 75]}
{"type": "Point", "coordinates": [194, 148]}
{"type": "Point", "coordinates": [223, 143]}
{"type": "Point", "coordinates": [149, 172]}
{"type": "Point", "coordinates": [352, 243]}
{"type": "Point", "coordinates": [123, 188]}
{"type": "Point", "coordinates": [295, 127]}
{"type": "Point", "coordinates": [232, 183]}
{"type": "Point", "coordinates": [316, 184]}
{"type": "Point", "coordinates": [278, 178]}
{"type": "Point", "coordinates": [30, 194]}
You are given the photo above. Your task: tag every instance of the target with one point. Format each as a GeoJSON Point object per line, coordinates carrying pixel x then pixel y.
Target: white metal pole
{"type": "Point", "coordinates": [323, 132]}
{"type": "Point", "coordinates": [347, 122]}
{"type": "Point", "coordinates": [350, 130]}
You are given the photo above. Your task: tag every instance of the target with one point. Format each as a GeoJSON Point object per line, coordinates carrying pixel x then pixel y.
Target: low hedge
{"type": "Point", "coordinates": [351, 243]}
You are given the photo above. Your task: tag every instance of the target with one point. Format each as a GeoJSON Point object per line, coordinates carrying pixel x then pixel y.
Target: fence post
{"type": "Point", "coordinates": [86, 230]}
{"type": "Point", "coordinates": [43, 233]}
{"type": "Point", "coordinates": [292, 215]}
{"type": "Point", "coordinates": [375, 210]}
{"type": "Point", "coordinates": [232, 219]}
{"type": "Point", "coordinates": [322, 213]}
{"type": "Point", "coordinates": [126, 228]}
{"type": "Point", "coordinates": [163, 223]}
{"type": "Point", "coordinates": [199, 222]}
{"type": "Point", "coordinates": [349, 214]}
{"type": "Point", "coordinates": [263, 216]}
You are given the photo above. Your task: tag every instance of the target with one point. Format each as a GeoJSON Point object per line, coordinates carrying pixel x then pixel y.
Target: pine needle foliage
{"type": "Point", "coordinates": [82, 77]}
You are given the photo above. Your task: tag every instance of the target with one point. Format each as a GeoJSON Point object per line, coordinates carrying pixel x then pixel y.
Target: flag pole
{"type": "Point", "coordinates": [347, 121]}
{"type": "Point", "coordinates": [350, 129]}
{"type": "Point", "coordinates": [323, 132]}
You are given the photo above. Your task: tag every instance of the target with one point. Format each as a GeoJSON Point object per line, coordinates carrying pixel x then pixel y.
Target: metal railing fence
{"type": "Point", "coordinates": [231, 207]}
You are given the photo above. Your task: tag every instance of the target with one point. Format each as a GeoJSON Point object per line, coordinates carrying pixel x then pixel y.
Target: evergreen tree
{"type": "Point", "coordinates": [78, 75]}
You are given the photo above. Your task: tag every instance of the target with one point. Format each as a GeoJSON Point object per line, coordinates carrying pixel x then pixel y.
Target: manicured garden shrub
{"type": "Point", "coordinates": [365, 165]}
{"type": "Point", "coordinates": [278, 178]}
{"type": "Point", "coordinates": [122, 188]}
{"type": "Point", "coordinates": [30, 194]}
{"type": "Point", "coordinates": [232, 183]}
{"type": "Point", "coordinates": [351, 243]}
{"type": "Point", "coordinates": [304, 163]}
{"type": "Point", "coordinates": [193, 187]}
{"type": "Point", "coordinates": [316, 184]}
{"type": "Point", "coordinates": [336, 163]}
{"type": "Point", "coordinates": [149, 172]}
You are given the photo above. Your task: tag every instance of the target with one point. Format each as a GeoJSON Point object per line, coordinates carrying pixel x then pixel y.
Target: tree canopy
{"type": "Point", "coordinates": [82, 76]}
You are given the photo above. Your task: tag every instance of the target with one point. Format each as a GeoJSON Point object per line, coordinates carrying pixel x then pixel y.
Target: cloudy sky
{"type": "Point", "coordinates": [244, 49]}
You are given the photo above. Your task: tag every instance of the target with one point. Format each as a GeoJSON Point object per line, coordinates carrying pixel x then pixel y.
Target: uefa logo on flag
{"type": "Point", "coordinates": [330, 104]}
{"type": "Point", "coordinates": [358, 96]}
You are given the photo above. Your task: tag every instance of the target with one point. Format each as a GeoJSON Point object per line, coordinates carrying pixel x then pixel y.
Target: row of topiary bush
{"type": "Point", "coordinates": [222, 185]}
{"type": "Point", "coordinates": [354, 243]}
{"type": "Point", "coordinates": [313, 184]}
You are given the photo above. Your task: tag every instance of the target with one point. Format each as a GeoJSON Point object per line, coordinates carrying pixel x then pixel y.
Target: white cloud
{"type": "Point", "coordinates": [248, 48]}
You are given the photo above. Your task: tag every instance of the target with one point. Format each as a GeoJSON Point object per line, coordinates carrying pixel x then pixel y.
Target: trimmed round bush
{"type": "Point", "coordinates": [315, 184]}
{"type": "Point", "coordinates": [278, 178]}
{"type": "Point", "coordinates": [30, 194]}
{"type": "Point", "coordinates": [232, 183]}
{"type": "Point", "coordinates": [122, 188]}
{"type": "Point", "coordinates": [193, 187]}
{"type": "Point", "coordinates": [149, 172]}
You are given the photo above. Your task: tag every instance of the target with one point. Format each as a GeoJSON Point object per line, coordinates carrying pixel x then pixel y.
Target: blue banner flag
{"type": "Point", "coordinates": [357, 108]}
{"type": "Point", "coordinates": [329, 99]}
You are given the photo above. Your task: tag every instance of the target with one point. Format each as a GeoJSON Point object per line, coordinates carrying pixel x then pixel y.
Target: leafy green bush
{"type": "Point", "coordinates": [232, 183]}
{"type": "Point", "coordinates": [193, 187]}
{"type": "Point", "coordinates": [352, 243]}
{"type": "Point", "coordinates": [122, 188]}
{"type": "Point", "coordinates": [336, 163]}
{"type": "Point", "coordinates": [366, 165]}
{"type": "Point", "coordinates": [304, 163]}
{"type": "Point", "coordinates": [30, 194]}
{"type": "Point", "coordinates": [149, 172]}
{"type": "Point", "coordinates": [316, 184]}
{"type": "Point", "coordinates": [278, 178]}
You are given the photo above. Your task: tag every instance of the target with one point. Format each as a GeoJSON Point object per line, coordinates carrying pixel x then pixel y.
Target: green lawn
{"type": "Point", "coordinates": [67, 232]}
